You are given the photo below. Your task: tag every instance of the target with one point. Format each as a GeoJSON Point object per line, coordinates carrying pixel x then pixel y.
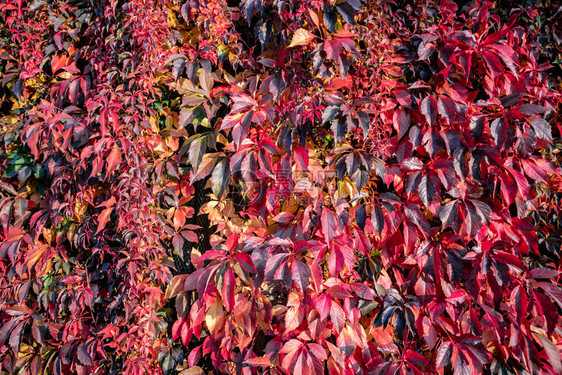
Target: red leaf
{"type": "Point", "coordinates": [429, 332]}
{"type": "Point", "coordinates": [228, 288]}
{"type": "Point", "coordinates": [518, 301]}
{"type": "Point", "coordinates": [329, 224]}
{"type": "Point", "coordinates": [231, 120]}
{"type": "Point", "coordinates": [444, 354]}
{"type": "Point", "coordinates": [447, 108]}
{"type": "Point", "coordinates": [337, 316]}
{"type": "Point", "coordinates": [542, 128]}
{"type": "Point", "coordinates": [333, 49]}
{"type": "Point", "coordinates": [194, 355]}
{"type": "Point", "coordinates": [208, 162]}
{"type": "Point", "coordinates": [416, 358]}
{"type": "Point", "coordinates": [426, 190]}
{"type": "Point", "coordinates": [259, 361]}
{"type": "Point", "coordinates": [58, 62]}
{"type": "Point", "coordinates": [103, 218]}
{"type": "Point", "coordinates": [241, 130]}
{"type": "Point", "coordinates": [554, 291]}
{"type": "Point", "coordinates": [317, 355]}
{"type": "Point", "coordinates": [113, 160]}
{"type": "Point", "coordinates": [189, 235]}
{"type": "Point", "coordinates": [291, 346]}
{"type": "Point", "coordinates": [301, 274]}
{"type": "Point", "coordinates": [401, 121]}
{"type": "Point", "coordinates": [343, 253]}
{"type": "Point", "coordinates": [283, 217]}
{"type": "Point", "coordinates": [323, 305]}
{"type": "Point", "coordinates": [425, 290]}
{"type": "Point", "coordinates": [552, 352]}
{"type": "Point", "coordinates": [544, 273]}
{"type": "Point", "coordinates": [404, 98]}
{"type": "Point", "coordinates": [232, 242]}
{"type": "Point", "coordinates": [508, 55]}
{"type": "Point", "coordinates": [428, 108]}
{"type": "Point", "coordinates": [301, 158]}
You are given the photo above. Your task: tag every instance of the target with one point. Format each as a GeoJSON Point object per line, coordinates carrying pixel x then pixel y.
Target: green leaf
{"type": "Point", "coordinates": [220, 178]}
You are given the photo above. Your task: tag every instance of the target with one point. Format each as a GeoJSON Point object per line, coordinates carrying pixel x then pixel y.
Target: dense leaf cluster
{"type": "Point", "coordinates": [381, 182]}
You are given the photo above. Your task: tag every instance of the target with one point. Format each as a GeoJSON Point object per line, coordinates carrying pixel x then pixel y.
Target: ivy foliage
{"type": "Point", "coordinates": [283, 187]}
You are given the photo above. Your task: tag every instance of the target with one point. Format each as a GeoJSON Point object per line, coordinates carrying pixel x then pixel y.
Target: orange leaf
{"type": "Point", "coordinates": [193, 371]}
{"type": "Point", "coordinates": [179, 219]}
{"type": "Point", "coordinates": [113, 159]}
{"type": "Point", "coordinates": [259, 361]}
{"type": "Point", "coordinates": [302, 37]}
{"type": "Point", "coordinates": [214, 316]}
{"type": "Point", "coordinates": [103, 218]}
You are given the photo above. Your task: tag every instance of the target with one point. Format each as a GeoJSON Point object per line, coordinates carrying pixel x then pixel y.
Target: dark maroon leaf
{"type": "Point", "coordinates": [542, 128]}
{"type": "Point", "coordinates": [220, 178]}
{"type": "Point", "coordinates": [531, 109]}
{"type": "Point", "coordinates": [554, 291]}
{"type": "Point", "coordinates": [301, 274]}
{"type": "Point", "coordinates": [444, 354]}
{"type": "Point", "coordinates": [552, 352]}
{"type": "Point", "coordinates": [401, 122]}
{"type": "Point", "coordinates": [361, 216]}
{"type": "Point", "coordinates": [498, 128]}
{"type": "Point", "coordinates": [426, 190]}
{"type": "Point", "coordinates": [544, 273]}
{"type": "Point", "coordinates": [447, 108]}
{"type": "Point", "coordinates": [377, 218]}
{"type": "Point", "coordinates": [428, 107]}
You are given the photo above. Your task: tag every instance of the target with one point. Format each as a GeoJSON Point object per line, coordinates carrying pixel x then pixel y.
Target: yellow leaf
{"type": "Point", "coordinates": [80, 208]}
{"type": "Point", "coordinates": [214, 315]}
{"type": "Point", "coordinates": [172, 20]}
{"type": "Point", "coordinates": [173, 143]}
{"type": "Point", "coordinates": [153, 124]}
{"type": "Point", "coordinates": [193, 371]}
{"type": "Point", "coordinates": [34, 258]}
{"type": "Point", "coordinates": [195, 254]}
{"type": "Point", "coordinates": [48, 235]}
{"type": "Point", "coordinates": [302, 37]}
{"type": "Point", "coordinates": [65, 75]}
